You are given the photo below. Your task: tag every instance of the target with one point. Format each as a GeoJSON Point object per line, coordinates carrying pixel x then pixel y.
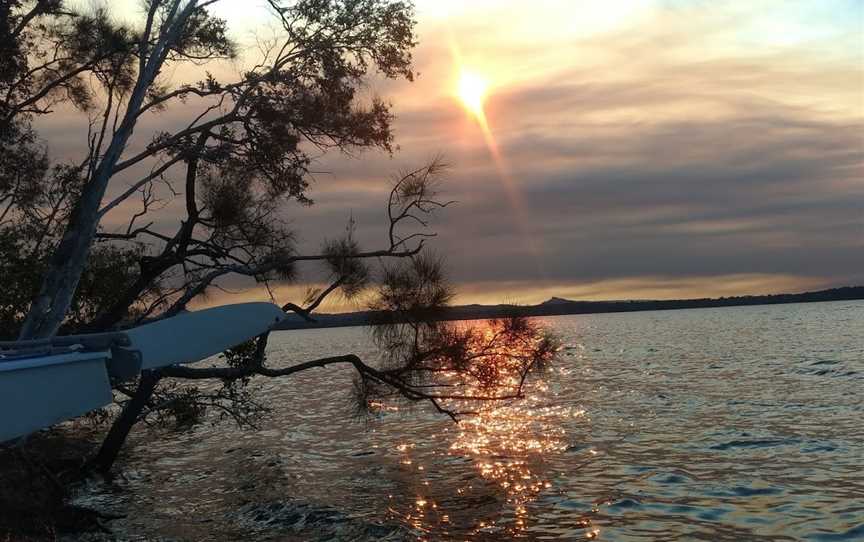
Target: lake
{"type": "Point", "coordinates": [708, 424]}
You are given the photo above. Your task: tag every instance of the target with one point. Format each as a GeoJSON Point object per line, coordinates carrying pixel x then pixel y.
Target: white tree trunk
{"type": "Point", "coordinates": [67, 263]}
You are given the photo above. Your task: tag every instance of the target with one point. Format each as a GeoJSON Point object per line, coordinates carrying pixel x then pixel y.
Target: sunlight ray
{"type": "Point", "coordinates": [472, 90]}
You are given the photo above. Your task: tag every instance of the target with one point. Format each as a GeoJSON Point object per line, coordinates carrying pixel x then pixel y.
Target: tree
{"type": "Point", "coordinates": [248, 131]}
{"type": "Point", "coordinates": [237, 161]}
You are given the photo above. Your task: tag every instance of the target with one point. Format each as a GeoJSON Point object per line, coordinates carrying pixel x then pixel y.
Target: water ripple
{"type": "Point", "coordinates": [717, 424]}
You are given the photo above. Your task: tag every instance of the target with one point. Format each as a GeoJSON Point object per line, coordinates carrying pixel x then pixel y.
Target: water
{"type": "Point", "coordinates": [712, 424]}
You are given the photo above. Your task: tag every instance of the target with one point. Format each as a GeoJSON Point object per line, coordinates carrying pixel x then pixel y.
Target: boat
{"type": "Point", "coordinates": [46, 381]}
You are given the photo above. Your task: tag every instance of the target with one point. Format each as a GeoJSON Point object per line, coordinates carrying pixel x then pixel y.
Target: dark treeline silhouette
{"type": "Point", "coordinates": [558, 306]}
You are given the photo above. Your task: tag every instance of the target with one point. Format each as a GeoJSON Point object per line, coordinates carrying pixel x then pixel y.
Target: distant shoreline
{"type": "Point", "coordinates": [560, 307]}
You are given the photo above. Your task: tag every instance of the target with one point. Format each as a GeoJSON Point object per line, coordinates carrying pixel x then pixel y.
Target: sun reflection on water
{"type": "Point", "coordinates": [508, 446]}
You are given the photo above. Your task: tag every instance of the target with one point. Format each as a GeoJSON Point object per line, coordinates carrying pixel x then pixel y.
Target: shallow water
{"type": "Point", "coordinates": [709, 424]}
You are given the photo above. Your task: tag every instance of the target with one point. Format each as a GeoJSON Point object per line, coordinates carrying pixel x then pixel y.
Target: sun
{"type": "Point", "coordinates": [472, 90]}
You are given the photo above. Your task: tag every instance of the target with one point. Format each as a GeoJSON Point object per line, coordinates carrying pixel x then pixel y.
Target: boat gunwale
{"type": "Point", "coordinates": [38, 361]}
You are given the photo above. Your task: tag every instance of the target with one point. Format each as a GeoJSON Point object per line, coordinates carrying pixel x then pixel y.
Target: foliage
{"type": "Point", "coordinates": [230, 169]}
{"type": "Point", "coordinates": [448, 364]}
{"type": "Point", "coordinates": [31, 223]}
{"type": "Point", "coordinates": [248, 151]}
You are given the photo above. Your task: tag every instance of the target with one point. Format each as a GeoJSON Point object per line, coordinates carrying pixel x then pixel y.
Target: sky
{"type": "Point", "coordinates": [625, 149]}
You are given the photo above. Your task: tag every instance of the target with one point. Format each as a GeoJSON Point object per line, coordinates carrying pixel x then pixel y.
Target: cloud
{"type": "Point", "coordinates": [675, 161]}
{"type": "Point", "coordinates": [694, 147]}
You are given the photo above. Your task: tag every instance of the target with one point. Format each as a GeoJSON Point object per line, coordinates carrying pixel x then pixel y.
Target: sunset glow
{"type": "Point", "coordinates": [431, 270]}
{"type": "Point", "coordinates": [472, 92]}
{"type": "Point", "coordinates": [629, 132]}
{"type": "Point", "coordinates": [472, 89]}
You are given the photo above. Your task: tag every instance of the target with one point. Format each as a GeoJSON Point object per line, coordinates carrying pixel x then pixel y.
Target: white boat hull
{"type": "Point", "coordinates": [194, 336]}
{"type": "Point", "coordinates": [39, 392]}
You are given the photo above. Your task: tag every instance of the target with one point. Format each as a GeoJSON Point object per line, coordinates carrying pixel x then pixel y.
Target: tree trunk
{"type": "Point", "coordinates": [113, 443]}
{"type": "Point", "coordinates": [173, 254]}
{"type": "Point", "coordinates": [67, 263]}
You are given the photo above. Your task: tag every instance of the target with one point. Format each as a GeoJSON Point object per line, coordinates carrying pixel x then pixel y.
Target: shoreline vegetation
{"type": "Point", "coordinates": [559, 307]}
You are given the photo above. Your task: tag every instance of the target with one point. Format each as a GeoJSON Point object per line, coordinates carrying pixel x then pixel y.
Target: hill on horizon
{"type": "Point", "coordinates": [556, 306]}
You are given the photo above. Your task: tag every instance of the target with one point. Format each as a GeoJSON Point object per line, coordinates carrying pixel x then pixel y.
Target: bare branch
{"type": "Point", "coordinates": [136, 186]}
